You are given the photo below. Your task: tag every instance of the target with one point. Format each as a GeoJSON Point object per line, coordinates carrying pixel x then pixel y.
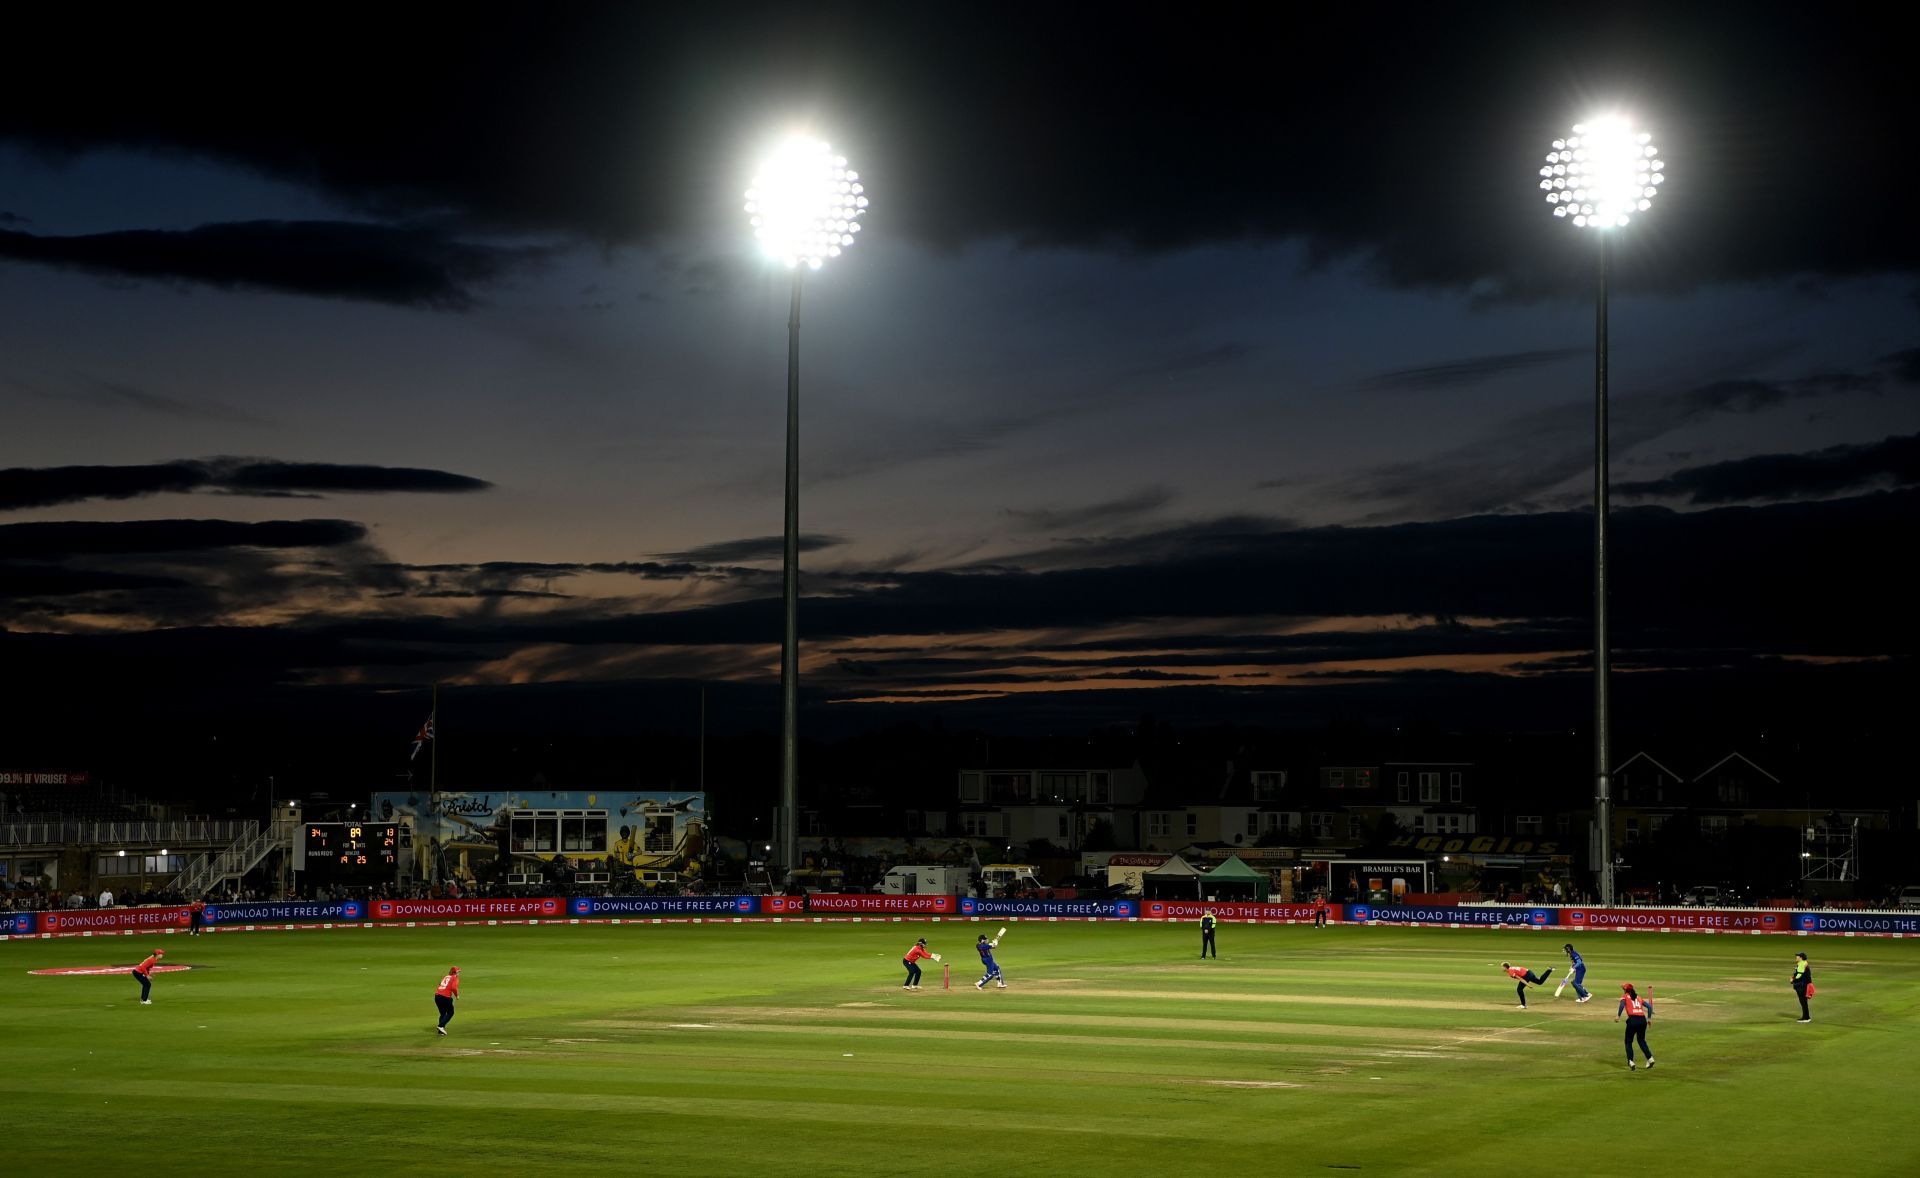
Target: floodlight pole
{"type": "Point", "coordinates": [790, 603]}
{"type": "Point", "coordinates": [1602, 655]}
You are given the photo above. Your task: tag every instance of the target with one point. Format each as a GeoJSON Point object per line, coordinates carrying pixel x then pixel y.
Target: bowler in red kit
{"type": "Point", "coordinates": [444, 994]}
{"type": "Point", "coordinates": [1524, 978]}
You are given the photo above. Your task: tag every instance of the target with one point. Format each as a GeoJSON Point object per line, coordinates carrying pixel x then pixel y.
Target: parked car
{"type": "Point", "coordinates": [1909, 897]}
{"type": "Point", "coordinates": [1702, 897]}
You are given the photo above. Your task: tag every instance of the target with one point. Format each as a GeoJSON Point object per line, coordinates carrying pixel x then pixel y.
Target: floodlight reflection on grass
{"type": "Point", "coordinates": [1602, 174]}
{"type": "Point", "coordinates": [805, 204]}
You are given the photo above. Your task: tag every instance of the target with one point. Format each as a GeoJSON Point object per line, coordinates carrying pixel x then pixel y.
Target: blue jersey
{"type": "Point", "coordinates": [1574, 954]}
{"type": "Point", "coordinates": [986, 952]}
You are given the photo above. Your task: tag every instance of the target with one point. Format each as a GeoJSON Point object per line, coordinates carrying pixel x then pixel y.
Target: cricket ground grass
{"type": "Point", "coordinates": [719, 1048]}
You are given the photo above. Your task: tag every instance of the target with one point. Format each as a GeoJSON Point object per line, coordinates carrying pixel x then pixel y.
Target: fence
{"type": "Point", "coordinates": [122, 834]}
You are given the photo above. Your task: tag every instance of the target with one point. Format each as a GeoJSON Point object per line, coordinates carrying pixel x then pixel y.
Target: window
{"type": "Point", "coordinates": [1061, 787]}
{"type": "Point", "coordinates": [1322, 825]}
{"type": "Point", "coordinates": [977, 825]}
{"type": "Point", "coordinates": [1456, 786]}
{"type": "Point", "coordinates": [1355, 828]}
{"type": "Point", "coordinates": [1527, 824]}
{"type": "Point", "coordinates": [1403, 786]}
{"type": "Point", "coordinates": [1656, 821]}
{"type": "Point", "coordinates": [971, 787]}
{"type": "Point", "coordinates": [1449, 824]}
{"type": "Point", "coordinates": [1419, 823]}
{"type": "Point", "coordinates": [1429, 787]}
{"type": "Point", "coordinates": [1713, 825]}
{"type": "Point", "coordinates": [1563, 823]}
{"type": "Point", "coordinates": [1193, 823]}
{"type": "Point", "coordinates": [1253, 822]}
{"type": "Point", "coordinates": [1066, 826]}
{"type": "Point", "coordinates": [1159, 825]}
{"type": "Point", "coordinates": [1268, 784]}
{"type": "Point", "coordinates": [1336, 779]}
{"type": "Point", "coordinates": [1633, 830]}
{"type": "Point", "coordinates": [1101, 793]}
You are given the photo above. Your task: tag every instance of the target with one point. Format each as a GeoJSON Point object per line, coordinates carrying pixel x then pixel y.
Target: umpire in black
{"type": "Point", "coordinates": [1206, 935]}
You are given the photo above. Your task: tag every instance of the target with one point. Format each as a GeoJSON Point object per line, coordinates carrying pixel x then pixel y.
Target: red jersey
{"type": "Point", "coordinates": [146, 967]}
{"type": "Point", "coordinates": [1634, 1005]}
{"type": "Point", "coordinates": [449, 986]}
{"type": "Point", "coordinates": [1514, 971]}
{"type": "Point", "coordinates": [918, 953]}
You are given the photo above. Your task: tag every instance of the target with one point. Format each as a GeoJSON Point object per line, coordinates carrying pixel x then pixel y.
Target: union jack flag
{"type": "Point", "coordinates": [422, 737]}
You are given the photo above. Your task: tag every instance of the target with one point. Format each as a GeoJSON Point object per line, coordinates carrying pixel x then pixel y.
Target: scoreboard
{"type": "Point", "coordinates": [348, 849]}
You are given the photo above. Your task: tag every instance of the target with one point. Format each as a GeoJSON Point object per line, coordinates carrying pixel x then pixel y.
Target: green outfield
{"type": "Point", "coordinates": [720, 1048]}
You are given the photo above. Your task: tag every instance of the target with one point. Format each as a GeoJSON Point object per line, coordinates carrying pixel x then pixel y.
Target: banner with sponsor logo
{"type": "Point", "coordinates": [1195, 909]}
{"type": "Point", "coordinates": [17, 924]}
{"type": "Point", "coordinates": [662, 906]}
{"type": "Point", "coordinates": [111, 920]}
{"type": "Point", "coordinates": [1678, 919]}
{"type": "Point", "coordinates": [1440, 914]}
{"type": "Point", "coordinates": [41, 777]}
{"type": "Point", "coordinates": [828, 903]}
{"type": "Point", "coordinates": [514, 908]}
{"type": "Point", "coordinates": [1085, 909]}
{"type": "Point", "coordinates": [281, 913]}
{"type": "Point", "coordinates": [1857, 922]}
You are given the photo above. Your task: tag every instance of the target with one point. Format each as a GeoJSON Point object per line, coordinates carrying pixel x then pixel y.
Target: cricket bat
{"type": "Point", "coordinates": [1001, 933]}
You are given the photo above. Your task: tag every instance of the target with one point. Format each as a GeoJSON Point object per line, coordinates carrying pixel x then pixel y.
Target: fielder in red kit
{"type": "Point", "coordinates": [140, 973]}
{"type": "Point", "coordinates": [444, 994]}
{"type": "Point", "coordinates": [1525, 978]}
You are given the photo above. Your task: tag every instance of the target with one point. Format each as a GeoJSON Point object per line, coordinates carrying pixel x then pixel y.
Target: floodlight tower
{"type": "Point", "coordinates": [1598, 178]}
{"type": "Point", "coordinates": [804, 206]}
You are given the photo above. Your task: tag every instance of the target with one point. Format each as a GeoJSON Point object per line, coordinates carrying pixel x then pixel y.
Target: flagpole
{"type": "Point", "coordinates": [433, 790]}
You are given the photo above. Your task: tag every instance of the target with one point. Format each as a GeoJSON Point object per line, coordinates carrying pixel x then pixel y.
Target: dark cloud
{"type": "Point", "coordinates": [1905, 366]}
{"type": "Point", "coordinates": [1448, 373]}
{"type": "Point", "coordinates": [1124, 509]}
{"type": "Point", "coordinates": [1404, 135]}
{"type": "Point", "coordinates": [7, 218]}
{"type": "Point", "coordinates": [410, 266]}
{"type": "Point", "coordinates": [23, 487]}
{"type": "Point", "coordinates": [247, 475]}
{"type": "Point", "coordinates": [1519, 463]}
{"type": "Point", "coordinates": [755, 548]}
{"type": "Point", "coordinates": [42, 540]}
{"type": "Point", "coordinates": [1835, 470]}
{"type": "Point", "coordinates": [117, 395]}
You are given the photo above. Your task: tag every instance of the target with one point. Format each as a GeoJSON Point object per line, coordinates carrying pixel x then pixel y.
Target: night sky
{"type": "Point", "coordinates": [1193, 361]}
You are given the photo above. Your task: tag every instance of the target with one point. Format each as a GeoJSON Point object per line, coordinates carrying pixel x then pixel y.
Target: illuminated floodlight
{"type": "Point", "coordinates": [805, 203]}
{"type": "Point", "coordinates": [1602, 174]}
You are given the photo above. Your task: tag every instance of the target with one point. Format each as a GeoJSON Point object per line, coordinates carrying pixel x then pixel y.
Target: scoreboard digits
{"type": "Point", "coordinates": [353, 848]}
